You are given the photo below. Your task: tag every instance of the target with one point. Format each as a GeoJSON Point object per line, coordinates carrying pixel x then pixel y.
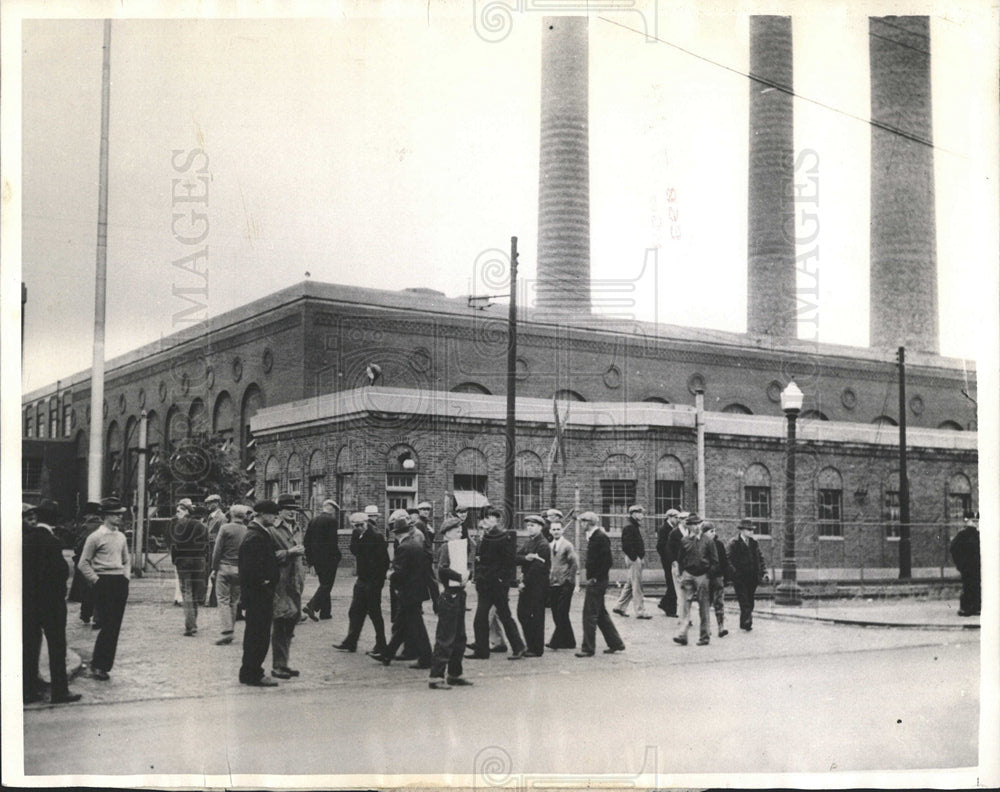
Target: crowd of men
{"type": "Point", "coordinates": [253, 561]}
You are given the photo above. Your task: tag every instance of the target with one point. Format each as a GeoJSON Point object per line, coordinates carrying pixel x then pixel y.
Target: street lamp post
{"type": "Point", "coordinates": [788, 592]}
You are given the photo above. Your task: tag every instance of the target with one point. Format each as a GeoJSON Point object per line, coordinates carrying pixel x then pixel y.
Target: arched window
{"type": "Point", "coordinates": [884, 420]}
{"type": "Point", "coordinates": [401, 466]}
{"type": "Point", "coordinates": [568, 395]}
{"type": "Point", "coordinates": [618, 480]}
{"type": "Point", "coordinates": [959, 498]}
{"type": "Point", "coordinates": [656, 400]}
{"type": "Point", "coordinates": [669, 484]}
{"type": "Point", "coordinates": [224, 417]}
{"type": "Point", "coordinates": [830, 502]}
{"type": "Point", "coordinates": [198, 418]}
{"type": "Point", "coordinates": [813, 415]}
{"type": "Point", "coordinates": [113, 460]}
{"type": "Point", "coordinates": [757, 498]}
{"type": "Point", "coordinates": [470, 387]}
{"type": "Point", "coordinates": [345, 483]}
{"type": "Point", "coordinates": [67, 414]}
{"type": "Point", "coordinates": [737, 409]}
{"type": "Point", "coordinates": [40, 419]}
{"type": "Point", "coordinates": [130, 472]}
{"type": "Point", "coordinates": [253, 400]}
{"type": "Point", "coordinates": [294, 475]}
{"type": "Point", "coordinates": [528, 479]}
{"type": "Point", "coordinates": [890, 505]}
{"type": "Point", "coordinates": [272, 478]}
{"type": "Point", "coordinates": [471, 471]}
{"type": "Point", "coordinates": [953, 425]}
{"type": "Point", "coordinates": [154, 437]}
{"type": "Point", "coordinates": [316, 480]}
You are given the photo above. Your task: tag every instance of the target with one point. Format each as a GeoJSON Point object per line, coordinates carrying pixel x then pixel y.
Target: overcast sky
{"type": "Point", "coordinates": [390, 151]}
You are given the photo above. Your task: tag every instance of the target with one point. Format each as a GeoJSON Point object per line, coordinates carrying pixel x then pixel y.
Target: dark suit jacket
{"type": "Point", "coordinates": [599, 560]}
{"type": "Point", "coordinates": [410, 571]}
{"type": "Point", "coordinates": [320, 542]}
{"type": "Point", "coordinates": [372, 554]}
{"type": "Point", "coordinates": [536, 571]}
{"type": "Point", "coordinates": [497, 558]}
{"type": "Point", "coordinates": [44, 570]}
{"type": "Point", "coordinates": [259, 569]}
{"type": "Point", "coordinates": [633, 545]}
{"type": "Point", "coordinates": [965, 551]}
{"type": "Point", "coordinates": [745, 560]}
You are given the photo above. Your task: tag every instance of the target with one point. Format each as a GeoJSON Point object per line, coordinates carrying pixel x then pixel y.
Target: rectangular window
{"type": "Point", "coordinates": [616, 496]}
{"type": "Point", "coordinates": [317, 491]}
{"type": "Point", "coordinates": [345, 497]}
{"type": "Point", "coordinates": [54, 424]}
{"type": "Point", "coordinates": [669, 495]}
{"type": "Point", "coordinates": [757, 509]}
{"type": "Point", "coordinates": [271, 489]}
{"type": "Point", "coordinates": [31, 474]}
{"type": "Point", "coordinates": [41, 426]}
{"type": "Point", "coordinates": [29, 427]}
{"type": "Point", "coordinates": [470, 482]}
{"type": "Point", "coordinates": [67, 419]}
{"type": "Point", "coordinates": [400, 491]}
{"type": "Point", "coordinates": [829, 511]}
{"type": "Point", "coordinates": [527, 495]}
{"type": "Point", "coordinates": [295, 487]}
{"type": "Point", "coordinates": [891, 514]}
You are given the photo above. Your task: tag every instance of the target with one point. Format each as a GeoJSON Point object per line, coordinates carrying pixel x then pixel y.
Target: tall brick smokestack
{"type": "Point", "coordinates": [564, 169]}
{"type": "Point", "coordinates": [903, 245]}
{"type": "Point", "coordinates": [771, 307]}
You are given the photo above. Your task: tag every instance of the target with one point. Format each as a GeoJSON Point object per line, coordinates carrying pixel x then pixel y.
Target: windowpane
{"type": "Point", "coordinates": [527, 495]}
{"type": "Point", "coordinates": [31, 473]}
{"type": "Point", "coordinates": [757, 508]}
{"type": "Point", "coordinates": [468, 481]}
{"type": "Point", "coordinates": [829, 508]}
{"type": "Point", "coordinates": [959, 504]}
{"type": "Point", "coordinates": [892, 514]}
{"type": "Point", "coordinates": [616, 496]}
{"type": "Point", "coordinates": [669, 495]}
{"type": "Point", "coordinates": [400, 480]}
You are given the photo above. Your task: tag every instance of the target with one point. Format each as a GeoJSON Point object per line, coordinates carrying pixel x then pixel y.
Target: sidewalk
{"type": "Point", "coordinates": [156, 662]}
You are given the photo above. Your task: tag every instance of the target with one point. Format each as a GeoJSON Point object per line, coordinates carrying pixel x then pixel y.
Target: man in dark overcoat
{"type": "Point", "coordinates": [535, 560]}
{"type": "Point", "coordinates": [746, 565]}
{"type": "Point", "coordinates": [259, 575]}
{"type": "Point", "coordinates": [369, 548]}
{"type": "Point", "coordinates": [322, 554]}
{"type": "Point", "coordinates": [966, 555]}
{"type": "Point", "coordinates": [410, 571]}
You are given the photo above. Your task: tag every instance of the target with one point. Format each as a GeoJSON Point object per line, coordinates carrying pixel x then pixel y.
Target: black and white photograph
{"type": "Point", "coordinates": [501, 394]}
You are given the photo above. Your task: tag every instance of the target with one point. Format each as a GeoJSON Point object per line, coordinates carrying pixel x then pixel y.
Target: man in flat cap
{"type": "Point", "coordinates": [746, 565]}
{"type": "Point", "coordinates": [106, 564]}
{"type": "Point", "coordinates": [226, 568]}
{"type": "Point", "coordinates": [674, 540]}
{"type": "Point", "coordinates": [495, 572]}
{"type": "Point", "coordinates": [698, 562]}
{"type": "Point", "coordinates": [634, 548]}
{"type": "Point", "coordinates": [291, 580]}
{"type": "Point", "coordinates": [668, 602]}
{"type": "Point", "coordinates": [453, 572]}
{"type": "Point", "coordinates": [422, 516]}
{"type": "Point", "coordinates": [595, 614]}
{"type": "Point", "coordinates": [43, 603]}
{"type": "Point", "coordinates": [535, 560]}
{"type": "Point", "coordinates": [323, 554]}
{"type": "Point", "coordinates": [188, 552]}
{"type": "Point", "coordinates": [562, 582]}
{"type": "Point", "coordinates": [259, 573]}
{"type": "Point", "coordinates": [214, 521]}
{"type": "Point", "coordinates": [409, 580]}
{"type": "Point", "coordinates": [372, 559]}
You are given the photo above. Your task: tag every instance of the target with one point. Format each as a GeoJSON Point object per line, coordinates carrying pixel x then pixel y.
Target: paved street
{"type": "Point", "coordinates": [792, 695]}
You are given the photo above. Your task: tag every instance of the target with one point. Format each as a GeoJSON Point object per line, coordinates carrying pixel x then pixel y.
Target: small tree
{"type": "Point", "coordinates": [196, 467]}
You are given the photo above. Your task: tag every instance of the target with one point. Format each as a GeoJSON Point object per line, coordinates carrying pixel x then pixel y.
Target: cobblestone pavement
{"type": "Point", "coordinates": [156, 661]}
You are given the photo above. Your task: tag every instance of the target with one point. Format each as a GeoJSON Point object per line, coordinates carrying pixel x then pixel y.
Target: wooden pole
{"type": "Point", "coordinates": [509, 450]}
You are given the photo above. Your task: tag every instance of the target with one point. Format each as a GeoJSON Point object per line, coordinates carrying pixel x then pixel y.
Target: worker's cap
{"type": "Point", "coordinates": [636, 508]}
{"type": "Point", "coordinates": [534, 518]}
{"type": "Point", "coordinates": [266, 507]}
{"type": "Point", "coordinates": [213, 499]}
{"type": "Point", "coordinates": [332, 502]}
{"type": "Point", "coordinates": [358, 518]}
{"type": "Point", "coordinates": [371, 511]}
{"type": "Point", "coordinates": [672, 513]}
{"type": "Point", "coordinates": [112, 506]}
{"type": "Point", "coordinates": [424, 505]}
{"type": "Point", "coordinates": [450, 523]}
{"type": "Point", "coordinates": [90, 508]}
{"type": "Point", "coordinates": [553, 514]}
{"type": "Point", "coordinates": [707, 526]}
{"type": "Point", "coordinates": [238, 511]}
{"type": "Point", "coordinates": [692, 519]}
{"type": "Point", "coordinates": [589, 517]}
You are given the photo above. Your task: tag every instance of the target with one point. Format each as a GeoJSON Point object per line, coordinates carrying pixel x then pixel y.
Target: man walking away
{"type": "Point", "coordinates": [188, 548]}
{"type": "Point", "coordinates": [449, 642]}
{"type": "Point", "coordinates": [634, 549]}
{"type": "Point", "coordinates": [226, 568]}
{"type": "Point", "coordinates": [44, 573]}
{"type": "Point", "coordinates": [259, 573]}
{"type": "Point", "coordinates": [409, 580]}
{"type": "Point", "coordinates": [698, 562]}
{"type": "Point", "coordinates": [595, 615]}
{"type": "Point", "coordinates": [323, 554]}
{"type": "Point", "coordinates": [966, 555]}
{"type": "Point", "coordinates": [746, 564]}
{"type": "Point", "coordinates": [106, 563]}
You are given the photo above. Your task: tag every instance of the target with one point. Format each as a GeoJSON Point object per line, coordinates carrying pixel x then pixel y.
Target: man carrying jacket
{"type": "Point", "coordinates": [698, 562]}
{"type": "Point", "coordinates": [259, 574]}
{"type": "Point", "coordinates": [595, 615]}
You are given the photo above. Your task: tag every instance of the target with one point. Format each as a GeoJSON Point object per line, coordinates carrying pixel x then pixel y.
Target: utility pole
{"type": "Point", "coordinates": [509, 453]}
{"type": "Point", "coordinates": [905, 571]}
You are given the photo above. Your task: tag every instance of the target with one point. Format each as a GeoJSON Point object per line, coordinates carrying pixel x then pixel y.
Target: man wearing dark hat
{"type": "Point", "coordinates": [291, 580]}
{"type": "Point", "coordinates": [719, 580]}
{"type": "Point", "coordinates": [698, 561]}
{"type": "Point", "coordinates": [372, 560]}
{"type": "Point", "coordinates": [495, 572]}
{"type": "Point", "coordinates": [535, 560]}
{"type": "Point", "coordinates": [105, 563]}
{"type": "Point", "coordinates": [668, 602]}
{"type": "Point", "coordinates": [43, 604]}
{"type": "Point", "coordinates": [746, 565]}
{"type": "Point", "coordinates": [595, 614]}
{"type": "Point", "coordinates": [966, 555]}
{"type": "Point", "coordinates": [188, 552]}
{"type": "Point", "coordinates": [409, 580]}
{"type": "Point", "coordinates": [322, 554]}
{"type": "Point", "coordinates": [258, 565]}
{"type": "Point", "coordinates": [454, 573]}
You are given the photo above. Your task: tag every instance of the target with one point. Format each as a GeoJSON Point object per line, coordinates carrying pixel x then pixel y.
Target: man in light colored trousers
{"type": "Point", "coordinates": [225, 568]}
{"type": "Point", "coordinates": [634, 549]}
